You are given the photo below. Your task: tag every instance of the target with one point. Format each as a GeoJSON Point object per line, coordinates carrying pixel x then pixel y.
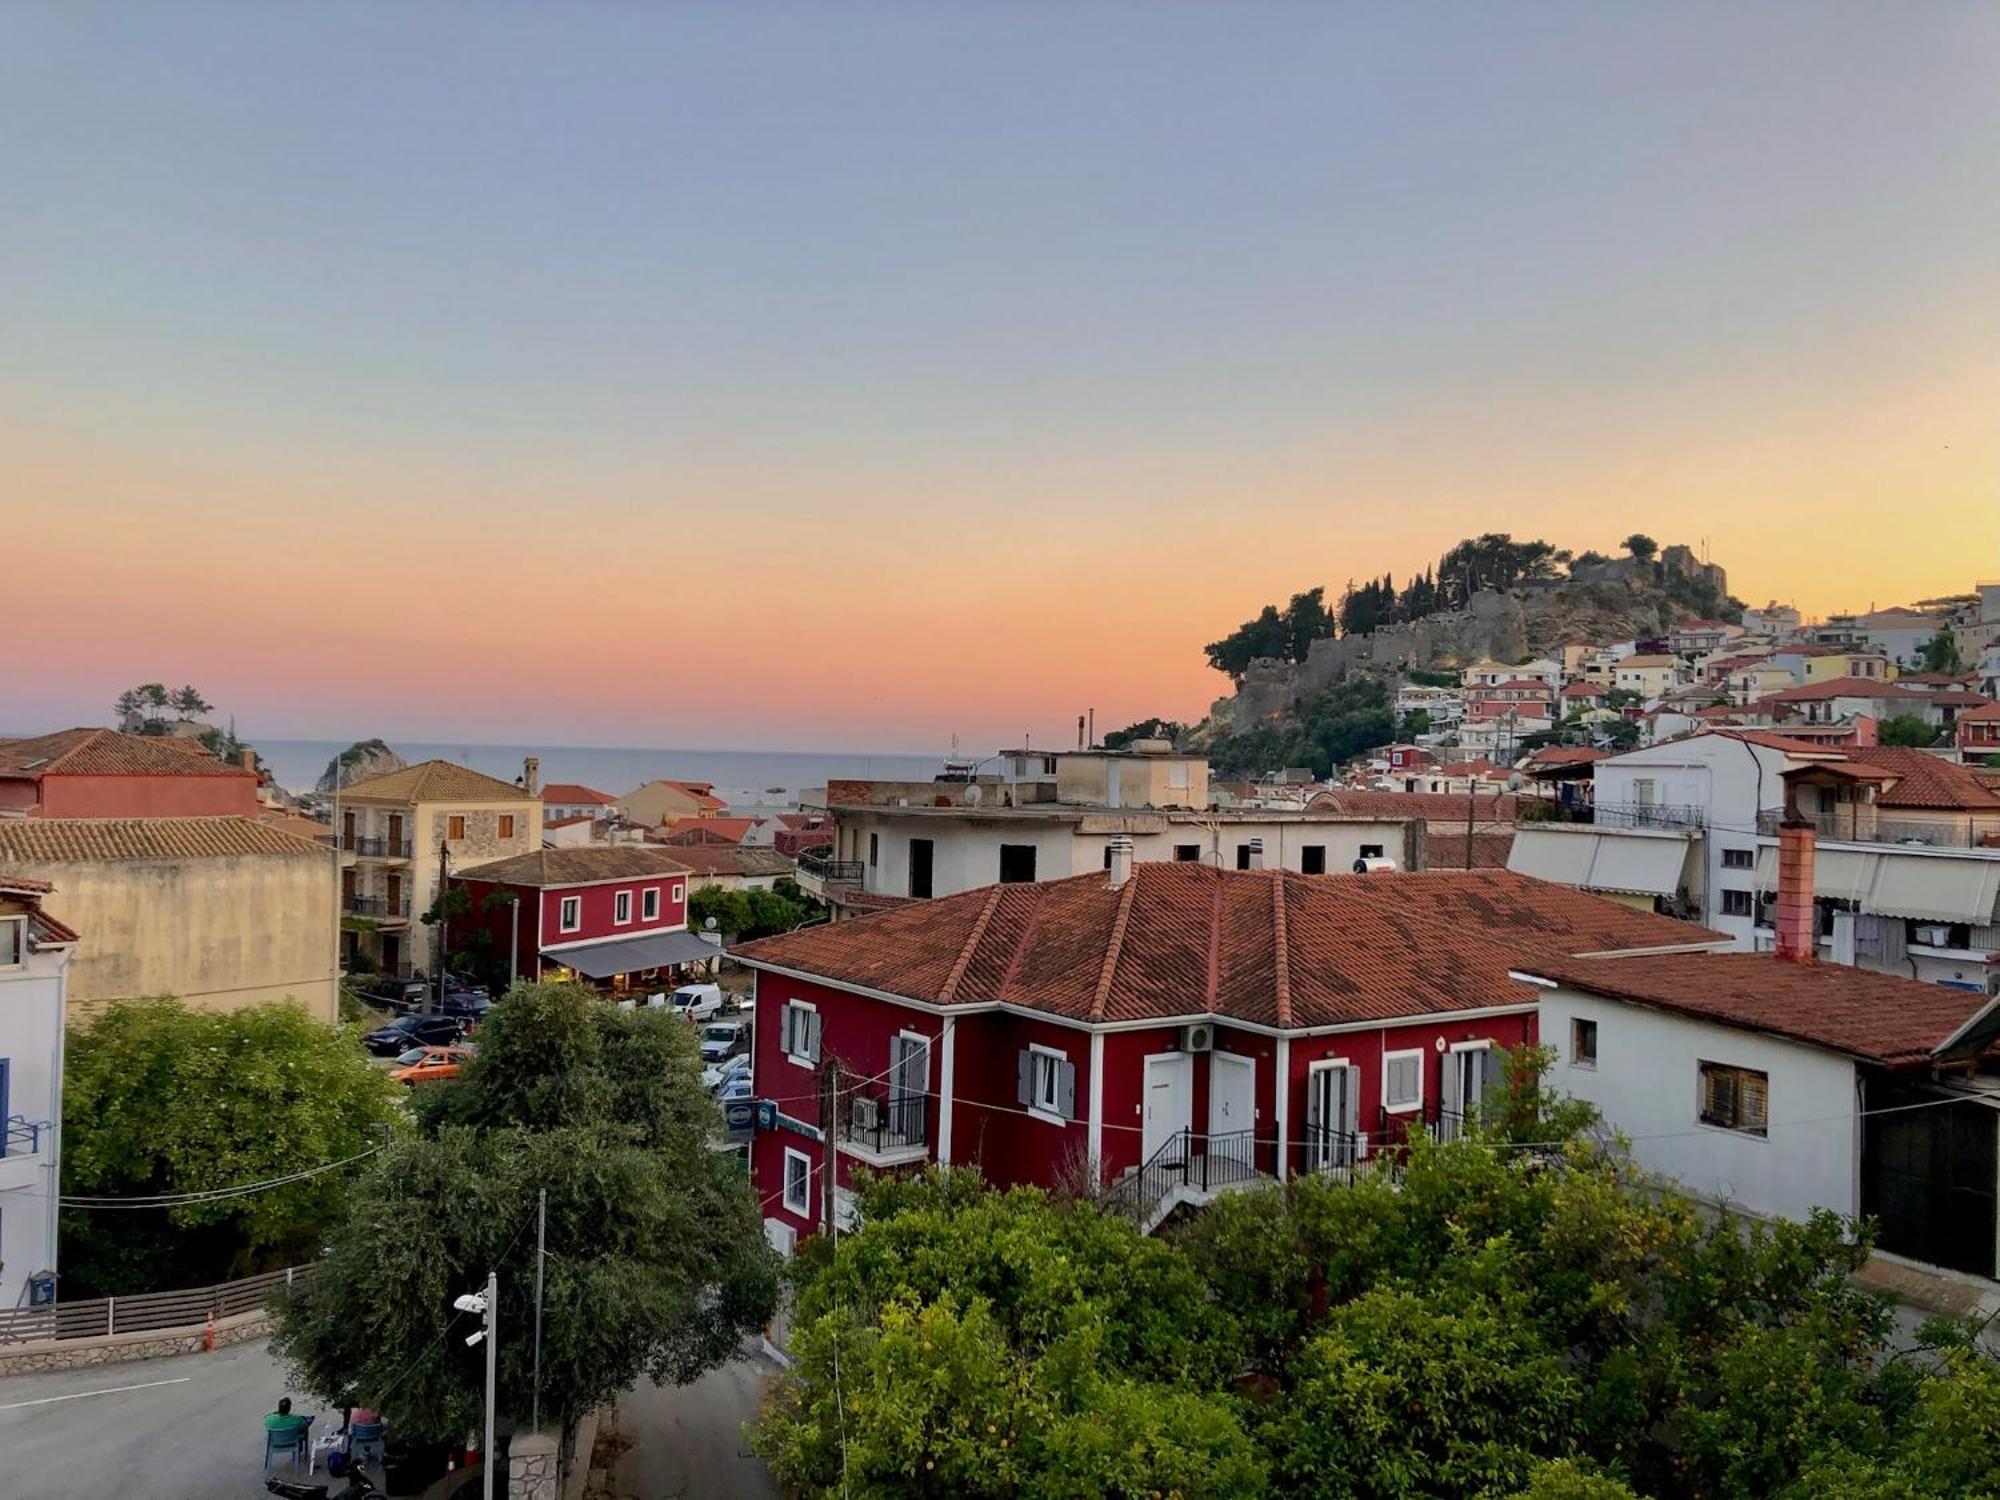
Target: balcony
{"type": "Point", "coordinates": [377, 908]}
{"type": "Point", "coordinates": [23, 1149]}
{"type": "Point", "coordinates": [1649, 815]}
{"type": "Point", "coordinates": [817, 873]}
{"type": "Point", "coordinates": [376, 848]}
{"type": "Point", "coordinates": [885, 1129]}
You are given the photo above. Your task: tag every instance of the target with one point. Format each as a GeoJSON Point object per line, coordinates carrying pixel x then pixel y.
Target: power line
{"type": "Point", "coordinates": [209, 1195]}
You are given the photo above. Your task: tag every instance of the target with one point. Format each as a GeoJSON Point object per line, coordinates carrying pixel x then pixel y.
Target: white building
{"type": "Point", "coordinates": [35, 951]}
{"type": "Point", "coordinates": [1777, 1088]}
{"type": "Point", "coordinates": [1780, 621]}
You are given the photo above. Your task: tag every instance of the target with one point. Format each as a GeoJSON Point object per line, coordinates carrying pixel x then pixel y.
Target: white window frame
{"type": "Point", "coordinates": [1054, 1058]}
{"type": "Point", "coordinates": [1415, 1106]}
{"type": "Point", "coordinates": [680, 891]}
{"type": "Point", "coordinates": [803, 1205]}
{"type": "Point", "coordinates": [800, 1059]}
{"type": "Point", "coordinates": [19, 924]}
{"type": "Point", "coordinates": [649, 904]}
{"type": "Point", "coordinates": [569, 914]}
{"type": "Point", "coordinates": [621, 909]}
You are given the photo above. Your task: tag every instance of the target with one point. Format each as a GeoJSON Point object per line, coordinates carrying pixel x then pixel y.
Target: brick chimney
{"type": "Point", "coordinates": [246, 757]}
{"type": "Point", "coordinates": [1121, 859]}
{"type": "Point", "coordinates": [531, 776]}
{"type": "Point", "coordinates": [1798, 923]}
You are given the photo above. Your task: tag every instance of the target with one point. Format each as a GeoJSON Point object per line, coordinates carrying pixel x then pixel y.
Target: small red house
{"type": "Point", "coordinates": [1236, 1026]}
{"type": "Point", "coordinates": [615, 914]}
{"type": "Point", "coordinates": [100, 773]}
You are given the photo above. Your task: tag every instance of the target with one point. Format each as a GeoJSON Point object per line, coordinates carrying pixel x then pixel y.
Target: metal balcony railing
{"type": "Point", "coordinates": [1648, 815]}
{"type": "Point", "coordinates": [884, 1122]}
{"type": "Point", "coordinates": [369, 847]}
{"type": "Point", "coordinates": [1843, 825]}
{"type": "Point", "coordinates": [817, 866]}
{"type": "Point", "coordinates": [24, 1137]}
{"type": "Point", "coordinates": [1186, 1159]}
{"type": "Point", "coordinates": [378, 907]}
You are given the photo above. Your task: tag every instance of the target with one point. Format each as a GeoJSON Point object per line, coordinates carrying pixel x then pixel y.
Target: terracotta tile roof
{"type": "Point", "coordinates": [1770, 740]}
{"type": "Point", "coordinates": [1937, 679]}
{"type": "Point", "coordinates": [702, 793]}
{"type": "Point", "coordinates": [1924, 780]}
{"type": "Point", "coordinates": [1585, 690]}
{"type": "Point", "coordinates": [1847, 687]}
{"type": "Point", "coordinates": [1877, 1017]}
{"type": "Point", "coordinates": [569, 822]}
{"type": "Point", "coordinates": [1646, 661]}
{"type": "Point", "coordinates": [54, 841]}
{"type": "Point", "coordinates": [1566, 755]}
{"type": "Point", "coordinates": [1955, 698]}
{"type": "Point", "coordinates": [434, 781]}
{"type": "Point", "coordinates": [106, 752]}
{"type": "Point", "coordinates": [593, 862]}
{"type": "Point", "coordinates": [1444, 807]}
{"type": "Point", "coordinates": [24, 885]}
{"type": "Point", "coordinates": [1269, 947]}
{"type": "Point", "coordinates": [570, 793]}
{"type": "Point", "coordinates": [298, 825]}
{"type": "Point", "coordinates": [709, 831]}
{"type": "Point", "coordinates": [1980, 714]}
{"type": "Point", "coordinates": [752, 861]}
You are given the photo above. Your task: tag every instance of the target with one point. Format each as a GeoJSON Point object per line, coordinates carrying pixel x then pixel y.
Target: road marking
{"type": "Point", "coordinates": [112, 1391]}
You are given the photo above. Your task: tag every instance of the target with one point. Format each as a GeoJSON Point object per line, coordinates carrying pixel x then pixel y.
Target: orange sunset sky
{"type": "Point", "coordinates": [814, 380]}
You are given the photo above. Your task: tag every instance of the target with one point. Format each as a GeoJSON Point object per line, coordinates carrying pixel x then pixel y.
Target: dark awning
{"type": "Point", "coordinates": [633, 955]}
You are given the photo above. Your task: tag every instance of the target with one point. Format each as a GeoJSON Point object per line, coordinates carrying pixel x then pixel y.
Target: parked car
{"type": "Point", "coordinates": [722, 1074]}
{"type": "Point", "coordinates": [470, 1005]}
{"type": "Point", "coordinates": [429, 1064]}
{"type": "Point", "coordinates": [697, 1002]}
{"type": "Point", "coordinates": [406, 1032]}
{"type": "Point", "coordinates": [722, 1040]}
{"type": "Point", "coordinates": [396, 994]}
{"type": "Point", "coordinates": [737, 1088]}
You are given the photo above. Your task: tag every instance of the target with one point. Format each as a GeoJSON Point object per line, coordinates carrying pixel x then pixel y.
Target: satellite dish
{"type": "Point", "coordinates": [973, 793]}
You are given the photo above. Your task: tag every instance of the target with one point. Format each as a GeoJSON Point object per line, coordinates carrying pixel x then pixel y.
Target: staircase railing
{"type": "Point", "coordinates": [1185, 1159]}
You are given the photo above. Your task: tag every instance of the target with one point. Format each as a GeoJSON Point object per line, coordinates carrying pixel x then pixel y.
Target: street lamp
{"type": "Point", "coordinates": [486, 1304]}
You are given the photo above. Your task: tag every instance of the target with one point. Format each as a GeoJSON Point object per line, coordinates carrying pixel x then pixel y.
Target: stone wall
{"type": "Point", "coordinates": [163, 1343]}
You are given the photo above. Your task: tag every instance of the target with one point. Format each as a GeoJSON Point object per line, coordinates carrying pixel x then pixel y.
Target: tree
{"type": "Point", "coordinates": [1146, 729]}
{"type": "Point", "coordinates": [1619, 734]}
{"type": "Point", "coordinates": [1267, 635]}
{"type": "Point", "coordinates": [1415, 723]}
{"type": "Point", "coordinates": [1907, 729]}
{"type": "Point", "coordinates": [187, 703]}
{"type": "Point", "coordinates": [160, 1099]}
{"type": "Point", "coordinates": [657, 1265]}
{"type": "Point", "coordinates": [1641, 546]}
{"type": "Point", "coordinates": [1306, 621]}
{"type": "Point", "coordinates": [753, 914]}
{"type": "Point", "coordinates": [1941, 653]}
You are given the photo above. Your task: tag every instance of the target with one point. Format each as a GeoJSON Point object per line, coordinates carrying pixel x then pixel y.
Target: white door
{"type": "Point", "coordinates": [1468, 1073]}
{"type": "Point", "coordinates": [1333, 1110]}
{"type": "Point", "coordinates": [1232, 1109]}
{"type": "Point", "coordinates": [1169, 1099]}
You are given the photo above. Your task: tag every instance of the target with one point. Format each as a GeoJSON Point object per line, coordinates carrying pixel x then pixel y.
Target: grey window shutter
{"type": "Point", "coordinates": [813, 1019]}
{"type": "Point", "coordinates": [1316, 1084]}
{"type": "Point", "coordinates": [786, 1020]}
{"type": "Point", "coordinates": [1492, 1075]}
{"type": "Point", "coordinates": [1066, 1090]}
{"type": "Point", "coordinates": [1024, 1077]}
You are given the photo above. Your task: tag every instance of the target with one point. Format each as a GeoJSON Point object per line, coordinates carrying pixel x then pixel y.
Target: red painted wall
{"type": "Point", "coordinates": [150, 796]}
{"type": "Point", "coordinates": [597, 912]}
{"type": "Point", "coordinates": [989, 1128]}
{"type": "Point", "coordinates": [1364, 1050]}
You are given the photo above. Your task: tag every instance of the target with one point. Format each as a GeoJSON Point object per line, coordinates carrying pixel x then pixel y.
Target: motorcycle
{"type": "Point", "coordinates": [359, 1486]}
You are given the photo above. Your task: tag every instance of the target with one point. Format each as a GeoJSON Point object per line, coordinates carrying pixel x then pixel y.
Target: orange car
{"type": "Point", "coordinates": [428, 1064]}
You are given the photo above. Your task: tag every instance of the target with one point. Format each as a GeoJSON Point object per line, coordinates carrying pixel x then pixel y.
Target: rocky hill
{"type": "Point", "coordinates": [1601, 600]}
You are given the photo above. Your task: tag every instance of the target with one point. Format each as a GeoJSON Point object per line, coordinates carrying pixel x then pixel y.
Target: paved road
{"type": "Point", "coordinates": [192, 1429]}
{"type": "Point", "coordinates": [687, 1440]}
{"type": "Point", "coordinates": [167, 1429]}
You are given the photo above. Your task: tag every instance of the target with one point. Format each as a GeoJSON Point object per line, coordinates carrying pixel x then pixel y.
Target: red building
{"type": "Point", "coordinates": [1234, 1026]}
{"type": "Point", "coordinates": [614, 914]}
{"type": "Point", "coordinates": [100, 773]}
{"type": "Point", "coordinates": [1978, 730]}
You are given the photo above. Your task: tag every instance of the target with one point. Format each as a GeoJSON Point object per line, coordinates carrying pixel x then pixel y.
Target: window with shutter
{"type": "Point", "coordinates": [801, 1032]}
{"type": "Point", "coordinates": [1735, 1098]}
{"type": "Point", "coordinates": [1402, 1081]}
{"type": "Point", "coordinates": [1046, 1083]}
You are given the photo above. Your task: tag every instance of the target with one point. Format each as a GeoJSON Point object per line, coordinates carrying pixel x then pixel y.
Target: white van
{"type": "Point", "coordinates": [697, 1002]}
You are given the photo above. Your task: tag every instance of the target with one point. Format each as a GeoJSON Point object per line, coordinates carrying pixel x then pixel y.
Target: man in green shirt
{"type": "Point", "coordinates": [284, 1422]}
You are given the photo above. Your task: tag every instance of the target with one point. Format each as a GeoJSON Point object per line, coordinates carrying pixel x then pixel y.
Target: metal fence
{"type": "Point", "coordinates": [144, 1312]}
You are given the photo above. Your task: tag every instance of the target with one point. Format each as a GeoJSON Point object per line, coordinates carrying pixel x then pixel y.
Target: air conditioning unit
{"type": "Point", "coordinates": [1199, 1037]}
{"type": "Point", "coordinates": [867, 1114]}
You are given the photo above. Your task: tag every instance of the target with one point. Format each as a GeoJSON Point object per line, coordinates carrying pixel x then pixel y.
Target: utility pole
{"type": "Point", "coordinates": [513, 978]}
{"type": "Point", "coordinates": [444, 886]}
{"type": "Point", "coordinates": [1471, 798]}
{"type": "Point", "coordinates": [486, 1455]}
{"type": "Point", "coordinates": [829, 1130]}
{"type": "Point", "coordinates": [541, 1249]}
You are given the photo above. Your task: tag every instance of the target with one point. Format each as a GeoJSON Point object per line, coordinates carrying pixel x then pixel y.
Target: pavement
{"type": "Point", "coordinates": [191, 1428]}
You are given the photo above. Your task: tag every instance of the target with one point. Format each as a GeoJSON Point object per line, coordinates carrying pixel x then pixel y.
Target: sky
{"type": "Point", "coordinates": [850, 376]}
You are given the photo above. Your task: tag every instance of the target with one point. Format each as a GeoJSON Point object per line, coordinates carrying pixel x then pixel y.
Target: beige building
{"type": "Point", "coordinates": [1648, 676]}
{"type": "Point", "coordinates": [659, 803]}
{"type": "Point", "coordinates": [222, 912]}
{"type": "Point", "coordinates": [398, 831]}
{"type": "Point", "coordinates": [1150, 774]}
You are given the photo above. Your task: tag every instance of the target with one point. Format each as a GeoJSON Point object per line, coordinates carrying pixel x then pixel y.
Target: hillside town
{"type": "Point", "coordinates": [1736, 875]}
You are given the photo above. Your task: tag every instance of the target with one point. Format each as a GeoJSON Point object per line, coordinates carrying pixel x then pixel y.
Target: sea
{"type": "Point", "coordinates": [742, 778]}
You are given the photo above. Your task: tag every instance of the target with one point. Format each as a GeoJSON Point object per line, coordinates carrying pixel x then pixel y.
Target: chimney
{"type": "Point", "coordinates": [1120, 850]}
{"type": "Point", "coordinates": [1798, 924]}
{"type": "Point", "coordinates": [1256, 854]}
{"type": "Point", "coordinates": [246, 757]}
{"type": "Point", "coordinates": [531, 776]}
